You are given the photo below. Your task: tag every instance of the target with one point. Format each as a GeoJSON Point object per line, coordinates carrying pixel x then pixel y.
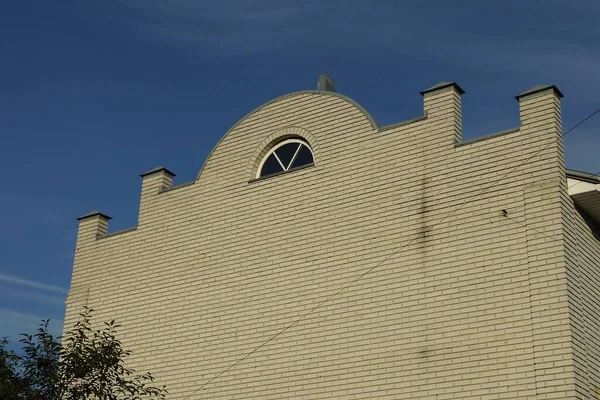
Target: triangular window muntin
{"type": "Point", "coordinates": [286, 155]}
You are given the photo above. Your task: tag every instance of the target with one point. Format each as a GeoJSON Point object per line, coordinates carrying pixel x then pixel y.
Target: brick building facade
{"type": "Point", "coordinates": [395, 262]}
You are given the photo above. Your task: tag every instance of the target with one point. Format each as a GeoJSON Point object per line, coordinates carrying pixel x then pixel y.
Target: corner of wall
{"type": "Point", "coordinates": [153, 182]}
{"type": "Point", "coordinates": [443, 107]}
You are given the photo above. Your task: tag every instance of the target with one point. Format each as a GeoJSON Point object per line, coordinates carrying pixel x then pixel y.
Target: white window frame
{"type": "Point", "coordinates": [281, 144]}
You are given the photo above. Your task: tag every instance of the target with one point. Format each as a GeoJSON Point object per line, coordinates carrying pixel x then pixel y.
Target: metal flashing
{"type": "Point", "coordinates": [487, 137]}
{"type": "Point", "coordinates": [443, 85]}
{"type": "Point", "coordinates": [537, 89]}
{"type": "Point", "coordinates": [93, 213]}
{"type": "Point", "coordinates": [157, 169]}
{"type": "Point", "coordinates": [116, 233]}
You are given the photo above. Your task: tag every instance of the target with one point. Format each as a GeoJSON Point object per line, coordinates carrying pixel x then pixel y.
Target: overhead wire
{"type": "Point", "coordinates": [582, 181]}
{"type": "Point", "coordinates": [574, 127]}
{"type": "Point", "coordinates": [526, 226]}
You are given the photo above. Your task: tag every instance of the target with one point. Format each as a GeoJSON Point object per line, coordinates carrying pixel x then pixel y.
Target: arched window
{"type": "Point", "coordinates": [285, 156]}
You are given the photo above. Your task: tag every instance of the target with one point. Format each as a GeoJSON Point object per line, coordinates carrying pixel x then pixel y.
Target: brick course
{"type": "Point", "coordinates": [462, 303]}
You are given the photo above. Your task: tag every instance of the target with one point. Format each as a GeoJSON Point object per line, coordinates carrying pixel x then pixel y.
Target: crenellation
{"type": "Point", "coordinates": [452, 300]}
{"type": "Point", "coordinates": [91, 226]}
{"type": "Point", "coordinates": [443, 102]}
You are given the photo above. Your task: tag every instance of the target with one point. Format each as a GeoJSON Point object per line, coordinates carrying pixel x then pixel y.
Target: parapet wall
{"type": "Point", "coordinates": [439, 294]}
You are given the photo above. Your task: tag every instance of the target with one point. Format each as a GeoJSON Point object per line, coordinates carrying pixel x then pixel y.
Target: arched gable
{"type": "Point", "coordinates": [281, 116]}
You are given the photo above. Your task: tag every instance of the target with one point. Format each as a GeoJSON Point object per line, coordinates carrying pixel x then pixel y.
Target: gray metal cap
{"type": "Point", "coordinates": [539, 88]}
{"type": "Point", "coordinates": [443, 85]}
{"type": "Point", "coordinates": [157, 169]}
{"type": "Point", "coordinates": [325, 83]}
{"type": "Point", "coordinates": [93, 213]}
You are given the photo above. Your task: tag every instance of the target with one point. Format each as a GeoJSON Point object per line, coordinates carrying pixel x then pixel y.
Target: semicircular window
{"type": "Point", "coordinates": [286, 156]}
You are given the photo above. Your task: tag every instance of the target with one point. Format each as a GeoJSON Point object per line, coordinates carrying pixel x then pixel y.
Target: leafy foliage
{"type": "Point", "coordinates": [89, 364]}
{"type": "Point", "coordinates": [11, 386]}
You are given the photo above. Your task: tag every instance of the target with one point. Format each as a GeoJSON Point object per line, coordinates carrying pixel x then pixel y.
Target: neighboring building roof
{"type": "Point", "coordinates": [585, 176]}
{"type": "Point", "coordinates": [584, 189]}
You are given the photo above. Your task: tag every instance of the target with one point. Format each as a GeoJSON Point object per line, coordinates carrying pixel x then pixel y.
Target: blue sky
{"type": "Point", "coordinates": [94, 93]}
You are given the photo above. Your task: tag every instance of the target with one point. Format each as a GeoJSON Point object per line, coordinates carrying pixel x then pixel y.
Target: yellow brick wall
{"type": "Point", "coordinates": [462, 303]}
{"type": "Point", "coordinates": [583, 273]}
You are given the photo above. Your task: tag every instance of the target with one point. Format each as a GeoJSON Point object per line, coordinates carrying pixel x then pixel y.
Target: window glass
{"type": "Point", "coordinates": [286, 152]}
{"type": "Point", "coordinates": [303, 157]}
{"type": "Point", "coordinates": [271, 166]}
{"type": "Point", "coordinates": [291, 153]}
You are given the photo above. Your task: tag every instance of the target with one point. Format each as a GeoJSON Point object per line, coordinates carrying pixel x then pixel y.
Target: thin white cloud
{"type": "Point", "coordinates": [510, 43]}
{"type": "Point", "coordinates": [33, 284]}
{"type": "Point", "coordinates": [229, 27]}
{"type": "Point", "coordinates": [22, 294]}
{"type": "Point", "coordinates": [554, 44]}
{"type": "Point", "coordinates": [509, 37]}
{"type": "Point", "coordinates": [16, 319]}
{"type": "Point", "coordinates": [14, 323]}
